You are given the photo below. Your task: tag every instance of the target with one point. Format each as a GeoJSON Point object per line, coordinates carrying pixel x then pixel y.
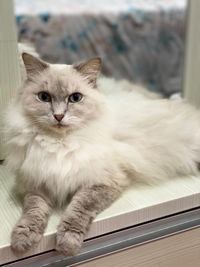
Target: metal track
{"type": "Point", "coordinates": [121, 239]}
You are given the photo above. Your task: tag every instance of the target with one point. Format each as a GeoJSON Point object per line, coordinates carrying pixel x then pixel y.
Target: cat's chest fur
{"type": "Point", "coordinates": [62, 165]}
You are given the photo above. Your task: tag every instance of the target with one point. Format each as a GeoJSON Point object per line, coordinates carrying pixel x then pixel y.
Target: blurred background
{"type": "Point", "coordinates": [139, 40]}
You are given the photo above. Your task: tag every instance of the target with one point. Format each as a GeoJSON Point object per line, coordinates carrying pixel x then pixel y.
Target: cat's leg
{"type": "Point", "coordinates": [30, 227]}
{"type": "Point", "coordinates": [77, 218]}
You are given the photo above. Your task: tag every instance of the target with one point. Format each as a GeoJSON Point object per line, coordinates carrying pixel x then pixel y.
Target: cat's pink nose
{"type": "Point", "coordinates": [58, 117]}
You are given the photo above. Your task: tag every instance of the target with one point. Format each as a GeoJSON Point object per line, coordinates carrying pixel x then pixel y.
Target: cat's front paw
{"type": "Point", "coordinates": [24, 236]}
{"type": "Point", "coordinates": [68, 241]}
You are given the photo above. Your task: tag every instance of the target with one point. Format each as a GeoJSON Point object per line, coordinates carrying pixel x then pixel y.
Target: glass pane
{"type": "Point", "coordinates": [142, 41]}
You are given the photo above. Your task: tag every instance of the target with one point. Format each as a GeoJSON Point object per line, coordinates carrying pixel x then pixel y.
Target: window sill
{"type": "Point", "coordinates": [139, 204]}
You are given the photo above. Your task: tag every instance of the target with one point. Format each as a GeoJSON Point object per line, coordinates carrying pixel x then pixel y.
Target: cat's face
{"type": "Point", "coordinates": [61, 97]}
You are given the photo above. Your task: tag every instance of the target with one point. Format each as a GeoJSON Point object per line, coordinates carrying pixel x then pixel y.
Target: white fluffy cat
{"type": "Point", "coordinates": [66, 134]}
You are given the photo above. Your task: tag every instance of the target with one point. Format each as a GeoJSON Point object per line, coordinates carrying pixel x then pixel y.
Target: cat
{"type": "Point", "coordinates": [68, 133]}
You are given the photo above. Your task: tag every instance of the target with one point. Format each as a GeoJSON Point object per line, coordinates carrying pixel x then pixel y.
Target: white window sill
{"type": "Point", "coordinates": [137, 205]}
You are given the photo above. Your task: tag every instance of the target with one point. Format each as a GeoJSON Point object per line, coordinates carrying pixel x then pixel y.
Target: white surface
{"type": "Point", "coordinates": [139, 204]}
{"type": "Point", "coordinates": [192, 55]}
{"type": "Point", "coordinates": [9, 65]}
{"type": "Point", "coordinates": [94, 6]}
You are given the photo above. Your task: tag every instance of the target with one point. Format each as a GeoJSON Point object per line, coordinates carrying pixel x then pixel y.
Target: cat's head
{"type": "Point", "coordinates": [61, 97]}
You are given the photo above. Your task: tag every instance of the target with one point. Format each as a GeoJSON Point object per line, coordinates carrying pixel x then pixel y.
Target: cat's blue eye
{"type": "Point", "coordinates": [76, 97]}
{"type": "Point", "coordinates": [44, 97]}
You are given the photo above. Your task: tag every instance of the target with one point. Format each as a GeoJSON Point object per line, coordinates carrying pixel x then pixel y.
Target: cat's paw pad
{"type": "Point", "coordinates": [24, 236]}
{"type": "Point", "coordinates": [68, 242]}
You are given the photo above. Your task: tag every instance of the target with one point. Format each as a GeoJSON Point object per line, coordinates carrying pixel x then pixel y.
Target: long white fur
{"type": "Point", "coordinates": [136, 138]}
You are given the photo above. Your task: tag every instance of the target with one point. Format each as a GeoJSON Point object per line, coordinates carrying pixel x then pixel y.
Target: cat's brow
{"type": "Point", "coordinates": [59, 84]}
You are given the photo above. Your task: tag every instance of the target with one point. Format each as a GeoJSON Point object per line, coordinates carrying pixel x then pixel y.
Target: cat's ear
{"type": "Point", "coordinates": [89, 69]}
{"type": "Point", "coordinates": [33, 65]}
